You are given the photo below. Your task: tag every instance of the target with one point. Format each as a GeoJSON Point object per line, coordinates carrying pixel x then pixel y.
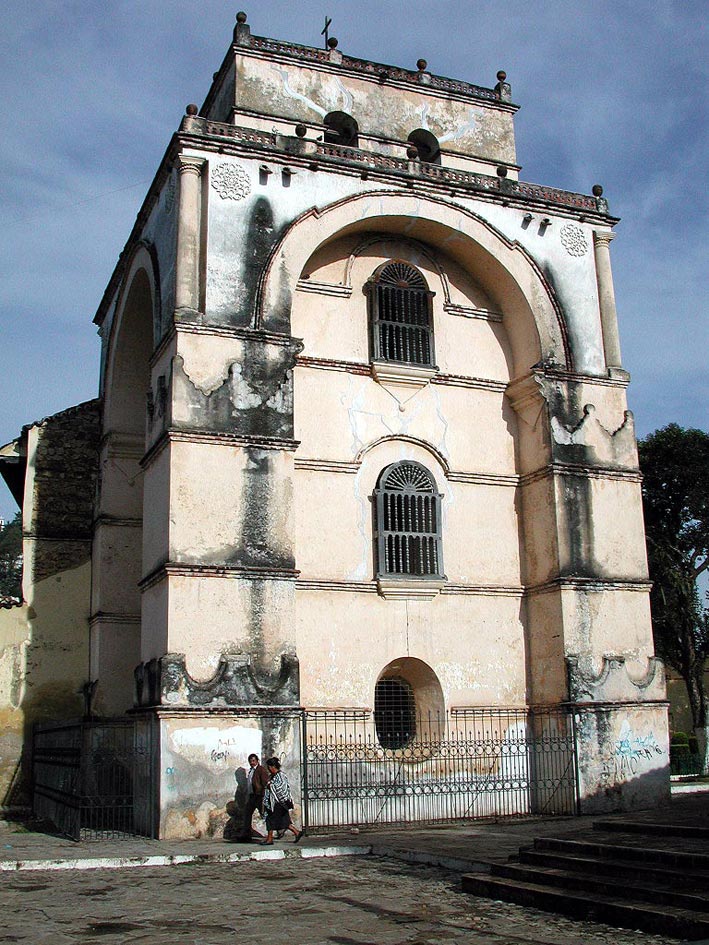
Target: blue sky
{"type": "Point", "coordinates": [610, 92]}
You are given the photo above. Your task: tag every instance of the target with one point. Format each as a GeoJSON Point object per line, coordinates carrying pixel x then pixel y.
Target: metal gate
{"type": "Point", "coordinates": [471, 763]}
{"type": "Point", "coordinates": [93, 779]}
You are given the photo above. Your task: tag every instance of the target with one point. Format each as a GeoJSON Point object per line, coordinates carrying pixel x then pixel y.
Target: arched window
{"type": "Point", "coordinates": [400, 315]}
{"type": "Point", "coordinates": [427, 144]}
{"type": "Point", "coordinates": [341, 128]}
{"type": "Point", "coordinates": [394, 712]}
{"type": "Point", "coordinates": [408, 522]}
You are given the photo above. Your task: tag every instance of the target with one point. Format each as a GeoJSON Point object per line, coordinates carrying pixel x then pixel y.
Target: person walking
{"type": "Point", "coordinates": [278, 803]}
{"type": "Point", "coordinates": [257, 779]}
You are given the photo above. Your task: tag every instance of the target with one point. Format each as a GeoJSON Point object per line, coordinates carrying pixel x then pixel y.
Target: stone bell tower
{"type": "Point", "coordinates": [340, 297]}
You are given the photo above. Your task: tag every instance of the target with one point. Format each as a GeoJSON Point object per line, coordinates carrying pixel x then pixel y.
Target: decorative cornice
{"type": "Point", "coordinates": [328, 465]}
{"type": "Point", "coordinates": [105, 616]}
{"type": "Point", "coordinates": [244, 333]}
{"type": "Point", "coordinates": [466, 311]}
{"type": "Point", "coordinates": [217, 438]}
{"type": "Point", "coordinates": [476, 383]}
{"type": "Point", "coordinates": [592, 584]}
{"type": "Point", "coordinates": [583, 472]}
{"type": "Point", "coordinates": [364, 368]}
{"type": "Point", "coordinates": [114, 521]}
{"type": "Point", "coordinates": [357, 587]}
{"type": "Point", "coordinates": [324, 288]}
{"type": "Point", "coordinates": [484, 590]}
{"type": "Point", "coordinates": [414, 589]}
{"type": "Point", "coordinates": [239, 573]}
{"type": "Point", "coordinates": [332, 364]}
{"type": "Point", "coordinates": [233, 139]}
{"type": "Point", "coordinates": [484, 479]}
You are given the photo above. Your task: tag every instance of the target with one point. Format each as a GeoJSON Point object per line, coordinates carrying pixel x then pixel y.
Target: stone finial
{"type": "Point", "coordinates": [242, 31]}
{"type": "Point", "coordinates": [301, 130]}
{"type": "Point", "coordinates": [601, 202]}
{"type": "Point", "coordinates": [501, 171]}
{"type": "Point", "coordinates": [332, 42]}
{"type": "Point", "coordinates": [412, 152]}
{"type": "Point", "coordinates": [192, 111]}
{"type": "Point", "coordinates": [333, 53]}
{"type": "Point", "coordinates": [503, 89]}
{"type": "Point", "coordinates": [423, 76]}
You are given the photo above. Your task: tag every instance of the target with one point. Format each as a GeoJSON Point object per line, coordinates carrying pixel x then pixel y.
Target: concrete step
{"type": "Point", "coordinates": [668, 920]}
{"type": "Point", "coordinates": [697, 881]}
{"type": "Point", "coordinates": [652, 829]}
{"type": "Point", "coordinates": [615, 851]}
{"type": "Point", "coordinates": [594, 881]}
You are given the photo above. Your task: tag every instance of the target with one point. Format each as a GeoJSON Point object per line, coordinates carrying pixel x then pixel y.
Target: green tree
{"type": "Point", "coordinates": [11, 559]}
{"type": "Point", "coordinates": [675, 466]}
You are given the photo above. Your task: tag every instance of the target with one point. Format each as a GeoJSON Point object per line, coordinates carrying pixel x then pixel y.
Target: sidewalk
{"type": "Point", "coordinates": [468, 846]}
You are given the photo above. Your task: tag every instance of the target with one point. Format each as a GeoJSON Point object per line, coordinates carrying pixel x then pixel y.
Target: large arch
{"type": "Point", "coordinates": [118, 537]}
{"type": "Point", "coordinates": [533, 317]}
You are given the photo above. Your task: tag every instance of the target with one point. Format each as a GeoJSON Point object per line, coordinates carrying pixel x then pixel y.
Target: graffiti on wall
{"type": "Point", "coordinates": [630, 755]}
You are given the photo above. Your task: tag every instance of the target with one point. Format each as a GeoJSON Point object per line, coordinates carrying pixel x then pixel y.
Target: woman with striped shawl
{"type": "Point", "coordinates": [278, 803]}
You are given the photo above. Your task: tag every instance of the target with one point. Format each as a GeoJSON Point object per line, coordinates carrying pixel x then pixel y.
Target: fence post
{"type": "Point", "coordinates": [574, 752]}
{"type": "Point", "coordinates": [305, 819]}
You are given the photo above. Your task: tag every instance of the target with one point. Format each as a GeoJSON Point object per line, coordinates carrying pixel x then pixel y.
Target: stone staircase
{"type": "Point", "coordinates": [648, 876]}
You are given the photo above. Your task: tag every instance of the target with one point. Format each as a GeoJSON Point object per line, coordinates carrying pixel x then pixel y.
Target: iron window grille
{"type": "Point", "coordinates": [400, 315]}
{"type": "Point", "coordinates": [394, 712]}
{"type": "Point", "coordinates": [408, 522]}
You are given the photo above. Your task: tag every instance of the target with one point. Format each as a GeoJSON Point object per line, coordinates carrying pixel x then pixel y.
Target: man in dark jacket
{"type": "Point", "coordinates": [256, 780]}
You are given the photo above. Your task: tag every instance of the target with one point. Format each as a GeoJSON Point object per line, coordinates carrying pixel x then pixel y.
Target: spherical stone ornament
{"type": "Point", "coordinates": [573, 240]}
{"type": "Point", "coordinates": [231, 182]}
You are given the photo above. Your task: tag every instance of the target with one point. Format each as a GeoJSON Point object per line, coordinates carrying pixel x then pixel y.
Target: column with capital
{"type": "Point", "coordinates": [187, 262]}
{"type": "Point", "coordinates": [606, 298]}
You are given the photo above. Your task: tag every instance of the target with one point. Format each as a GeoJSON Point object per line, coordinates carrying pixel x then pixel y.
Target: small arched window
{"type": "Point", "coordinates": [427, 145]}
{"type": "Point", "coordinates": [400, 315]}
{"type": "Point", "coordinates": [341, 128]}
{"type": "Point", "coordinates": [408, 522]}
{"type": "Point", "coordinates": [394, 712]}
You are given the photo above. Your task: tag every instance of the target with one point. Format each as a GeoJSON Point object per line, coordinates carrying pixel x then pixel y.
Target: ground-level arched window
{"type": "Point", "coordinates": [400, 315]}
{"type": "Point", "coordinates": [408, 522]}
{"type": "Point", "coordinates": [394, 712]}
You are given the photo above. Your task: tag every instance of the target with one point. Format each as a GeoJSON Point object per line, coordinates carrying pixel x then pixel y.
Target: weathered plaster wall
{"type": "Point", "coordinates": [298, 93]}
{"type": "Point", "coordinates": [203, 766]}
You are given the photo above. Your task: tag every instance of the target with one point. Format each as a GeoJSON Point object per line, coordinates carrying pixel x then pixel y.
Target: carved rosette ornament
{"type": "Point", "coordinates": [573, 240]}
{"type": "Point", "coordinates": [231, 182]}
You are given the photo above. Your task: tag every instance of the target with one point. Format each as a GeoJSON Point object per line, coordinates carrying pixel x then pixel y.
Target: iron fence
{"type": "Point", "coordinates": [93, 778]}
{"type": "Point", "coordinates": [471, 763]}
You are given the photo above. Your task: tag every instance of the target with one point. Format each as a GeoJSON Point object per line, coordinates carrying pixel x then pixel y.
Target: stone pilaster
{"type": "Point", "coordinates": [606, 298]}
{"type": "Point", "coordinates": [187, 262]}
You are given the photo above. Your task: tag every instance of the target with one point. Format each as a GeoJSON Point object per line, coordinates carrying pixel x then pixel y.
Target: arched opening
{"type": "Point", "coordinates": [341, 128]}
{"type": "Point", "coordinates": [400, 315]}
{"type": "Point", "coordinates": [408, 522]}
{"type": "Point", "coordinates": [118, 538]}
{"type": "Point", "coordinates": [409, 708]}
{"type": "Point", "coordinates": [427, 145]}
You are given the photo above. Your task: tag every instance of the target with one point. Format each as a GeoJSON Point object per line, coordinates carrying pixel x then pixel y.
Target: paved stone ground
{"type": "Point", "coordinates": [353, 900]}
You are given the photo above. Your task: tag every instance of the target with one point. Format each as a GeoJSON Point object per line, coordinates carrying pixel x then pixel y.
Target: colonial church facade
{"type": "Point", "coordinates": [384, 471]}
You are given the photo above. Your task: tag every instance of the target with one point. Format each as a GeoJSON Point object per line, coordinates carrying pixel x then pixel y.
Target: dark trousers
{"type": "Point", "coordinates": [253, 802]}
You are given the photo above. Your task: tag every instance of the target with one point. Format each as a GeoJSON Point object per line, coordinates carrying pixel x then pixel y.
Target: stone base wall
{"type": "Point", "coordinates": [623, 757]}
{"type": "Point", "coordinates": [201, 766]}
